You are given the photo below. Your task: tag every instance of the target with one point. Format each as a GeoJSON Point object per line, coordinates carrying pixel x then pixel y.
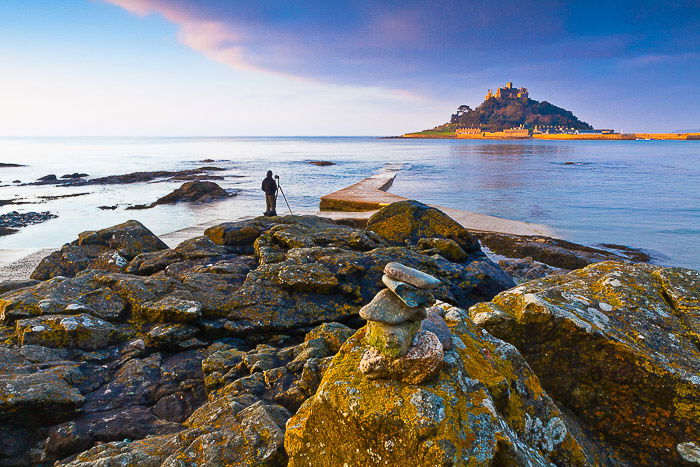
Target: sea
{"type": "Point", "coordinates": [643, 194]}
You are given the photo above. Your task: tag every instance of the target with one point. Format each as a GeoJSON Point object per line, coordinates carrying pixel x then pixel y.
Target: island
{"type": "Point", "coordinates": [509, 113]}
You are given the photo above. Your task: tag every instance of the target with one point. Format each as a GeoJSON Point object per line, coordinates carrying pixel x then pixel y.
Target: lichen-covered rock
{"type": "Point", "coordinates": [82, 331]}
{"type": "Point", "coordinates": [392, 340]}
{"type": "Point", "coordinates": [485, 407]}
{"type": "Point", "coordinates": [445, 247]}
{"type": "Point", "coordinates": [171, 310]}
{"type": "Point", "coordinates": [37, 398]}
{"type": "Point", "coordinates": [247, 436]}
{"type": "Point", "coordinates": [410, 221]}
{"type": "Point", "coordinates": [335, 334]}
{"type": "Point", "coordinates": [555, 252]}
{"type": "Point", "coordinates": [81, 294]}
{"type": "Point", "coordinates": [126, 240]}
{"type": "Point", "coordinates": [617, 344]}
{"type": "Point", "coordinates": [419, 363]}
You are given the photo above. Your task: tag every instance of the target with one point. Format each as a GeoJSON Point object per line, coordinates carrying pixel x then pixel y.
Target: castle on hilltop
{"type": "Point", "coordinates": [508, 92]}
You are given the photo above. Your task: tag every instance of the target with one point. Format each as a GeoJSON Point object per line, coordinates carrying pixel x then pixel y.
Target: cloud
{"type": "Point", "coordinates": [410, 44]}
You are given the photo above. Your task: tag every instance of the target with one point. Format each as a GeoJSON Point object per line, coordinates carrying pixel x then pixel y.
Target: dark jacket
{"type": "Point", "coordinates": [269, 186]}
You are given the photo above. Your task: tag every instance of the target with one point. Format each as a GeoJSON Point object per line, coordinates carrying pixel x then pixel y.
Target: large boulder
{"type": "Point", "coordinates": [411, 221]}
{"type": "Point", "coordinates": [484, 407]}
{"type": "Point", "coordinates": [111, 248]}
{"type": "Point", "coordinates": [619, 345]}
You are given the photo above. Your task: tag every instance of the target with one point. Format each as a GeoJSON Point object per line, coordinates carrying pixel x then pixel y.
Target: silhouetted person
{"type": "Point", "coordinates": [270, 188]}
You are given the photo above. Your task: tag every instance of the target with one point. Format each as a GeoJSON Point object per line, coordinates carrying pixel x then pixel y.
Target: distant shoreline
{"type": "Point", "coordinates": [560, 136]}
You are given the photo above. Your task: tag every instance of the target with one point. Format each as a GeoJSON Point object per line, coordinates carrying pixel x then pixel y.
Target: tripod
{"type": "Point", "coordinates": [282, 191]}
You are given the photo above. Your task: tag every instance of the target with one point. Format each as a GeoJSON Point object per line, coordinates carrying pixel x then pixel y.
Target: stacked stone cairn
{"type": "Point", "coordinates": [399, 348]}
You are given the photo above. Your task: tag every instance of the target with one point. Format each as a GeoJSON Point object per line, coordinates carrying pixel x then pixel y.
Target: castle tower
{"type": "Point", "coordinates": [509, 85]}
{"type": "Point", "coordinates": [488, 96]}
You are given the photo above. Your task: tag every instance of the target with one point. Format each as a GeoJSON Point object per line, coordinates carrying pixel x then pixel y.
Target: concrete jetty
{"type": "Point", "coordinates": [357, 202]}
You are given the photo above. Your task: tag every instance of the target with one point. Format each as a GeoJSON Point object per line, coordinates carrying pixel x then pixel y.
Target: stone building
{"type": "Point", "coordinates": [508, 92]}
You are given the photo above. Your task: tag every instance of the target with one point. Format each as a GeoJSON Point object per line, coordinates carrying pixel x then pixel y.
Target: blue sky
{"type": "Point", "coordinates": [195, 67]}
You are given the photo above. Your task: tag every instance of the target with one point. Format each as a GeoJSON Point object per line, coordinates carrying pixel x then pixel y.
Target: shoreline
{"type": "Point", "coordinates": [18, 263]}
{"type": "Point", "coordinates": [357, 202]}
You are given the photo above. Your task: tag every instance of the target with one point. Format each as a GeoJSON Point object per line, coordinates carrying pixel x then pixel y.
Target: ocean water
{"type": "Point", "coordinates": [644, 194]}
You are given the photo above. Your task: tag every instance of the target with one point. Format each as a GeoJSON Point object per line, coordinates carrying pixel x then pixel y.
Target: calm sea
{"type": "Point", "coordinates": [644, 194]}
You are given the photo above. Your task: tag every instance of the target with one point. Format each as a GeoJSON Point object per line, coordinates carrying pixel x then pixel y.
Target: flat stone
{"type": "Point", "coordinates": [411, 276]}
{"type": "Point", "coordinates": [386, 307]}
{"type": "Point", "coordinates": [410, 295]}
{"type": "Point", "coordinates": [421, 362]}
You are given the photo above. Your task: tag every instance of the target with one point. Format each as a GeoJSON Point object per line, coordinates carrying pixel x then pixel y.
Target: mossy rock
{"type": "Point", "coordinates": [410, 221]}
{"type": "Point", "coordinates": [485, 407]}
{"type": "Point", "coordinates": [618, 345]}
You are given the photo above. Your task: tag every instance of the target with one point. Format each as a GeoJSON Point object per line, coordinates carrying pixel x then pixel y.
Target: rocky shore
{"type": "Point", "coordinates": [245, 346]}
{"type": "Point", "coordinates": [12, 221]}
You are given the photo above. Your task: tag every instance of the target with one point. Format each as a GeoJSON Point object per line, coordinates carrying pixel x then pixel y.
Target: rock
{"type": "Point", "coordinates": [13, 219]}
{"type": "Point", "coordinates": [146, 264]}
{"type": "Point", "coordinates": [612, 344]}
{"type": "Point", "coordinates": [387, 308]}
{"type": "Point", "coordinates": [37, 398]}
{"type": "Point", "coordinates": [195, 192]}
{"type": "Point", "coordinates": [526, 269]}
{"type": "Point", "coordinates": [48, 178]}
{"type": "Point", "coordinates": [170, 310]}
{"type": "Point", "coordinates": [435, 323]}
{"type": "Point", "coordinates": [82, 294]}
{"type": "Point", "coordinates": [82, 331]}
{"type": "Point", "coordinates": [411, 276]}
{"type": "Point", "coordinates": [410, 221]}
{"type": "Point", "coordinates": [111, 208]}
{"type": "Point", "coordinates": [75, 175]}
{"type": "Point", "coordinates": [422, 360]}
{"type": "Point", "coordinates": [554, 252]}
{"type": "Point", "coordinates": [321, 163]}
{"type": "Point", "coordinates": [408, 294]}
{"type": "Point", "coordinates": [137, 177]}
{"type": "Point", "coordinates": [170, 336]}
{"type": "Point", "coordinates": [484, 407]}
{"type": "Point", "coordinates": [10, 285]}
{"type": "Point", "coordinates": [335, 334]}
{"type": "Point", "coordinates": [252, 436]}
{"type": "Point", "coordinates": [127, 240]}
{"type": "Point", "coordinates": [130, 238]}
{"type": "Point", "coordinates": [445, 247]}
{"type": "Point", "coordinates": [392, 340]}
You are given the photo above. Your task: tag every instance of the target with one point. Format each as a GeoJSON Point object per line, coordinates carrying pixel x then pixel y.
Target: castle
{"type": "Point", "coordinates": [508, 92]}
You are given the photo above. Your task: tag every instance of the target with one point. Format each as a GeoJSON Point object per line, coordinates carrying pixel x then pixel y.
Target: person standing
{"type": "Point", "coordinates": [270, 188]}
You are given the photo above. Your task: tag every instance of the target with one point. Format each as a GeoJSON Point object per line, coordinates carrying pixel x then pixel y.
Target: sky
{"type": "Point", "coordinates": [319, 67]}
